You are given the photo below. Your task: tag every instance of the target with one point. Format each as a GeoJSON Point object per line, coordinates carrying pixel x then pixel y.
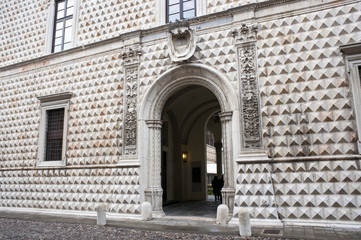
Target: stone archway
{"type": "Point", "coordinates": [150, 126]}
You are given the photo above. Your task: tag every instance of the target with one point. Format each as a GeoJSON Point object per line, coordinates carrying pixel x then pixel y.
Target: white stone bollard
{"type": "Point", "coordinates": [146, 210]}
{"type": "Point", "coordinates": [101, 215]}
{"type": "Point", "coordinates": [222, 214]}
{"type": "Point", "coordinates": [244, 222]}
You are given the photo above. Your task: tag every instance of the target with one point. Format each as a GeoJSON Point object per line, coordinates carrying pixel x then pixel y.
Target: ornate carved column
{"type": "Point", "coordinates": [245, 38]}
{"type": "Point", "coordinates": [154, 191]}
{"type": "Point", "coordinates": [131, 64]}
{"type": "Point", "coordinates": [228, 190]}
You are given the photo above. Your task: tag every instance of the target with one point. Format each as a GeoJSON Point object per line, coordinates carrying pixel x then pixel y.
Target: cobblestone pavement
{"type": "Point", "coordinates": [23, 225]}
{"type": "Point", "coordinates": [27, 229]}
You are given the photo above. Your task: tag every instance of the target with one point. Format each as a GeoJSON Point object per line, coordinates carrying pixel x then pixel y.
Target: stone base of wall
{"type": "Point", "coordinates": [72, 189]}
{"type": "Point", "coordinates": [92, 215]}
{"type": "Point", "coordinates": [312, 191]}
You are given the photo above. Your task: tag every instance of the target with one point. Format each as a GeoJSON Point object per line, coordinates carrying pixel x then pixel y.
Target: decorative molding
{"type": "Point", "coordinates": [228, 195]}
{"type": "Point", "coordinates": [246, 35]}
{"type": "Point", "coordinates": [55, 97]}
{"type": "Point", "coordinates": [131, 55]}
{"type": "Point", "coordinates": [130, 110]}
{"type": "Point", "coordinates": [121, 164]}
{"type": "Point", "coordinates": [154, 123]}
{"type": "Point", "coordinates": [39, 61]}
{"type": "Point", "coordinates": [272, 3]}
{"type": "Point", "coordinates": [50, 102]}
{"type": "Point", "coordinates": [317, 158]}
{"type": "Point", "coordinates": [253, 157]}
{"type": "Point", "coordinates": [349, 49]}
{"type": "Point", "coordinates": [225, 116]}
{"type": "Point", "coordinates": [250, 115]}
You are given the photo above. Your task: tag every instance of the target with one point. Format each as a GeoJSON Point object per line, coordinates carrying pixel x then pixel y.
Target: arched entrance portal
{"type": "Point", "coordinates": [183, 78]}
{"type": "Point", "coordinates": [185, 120]}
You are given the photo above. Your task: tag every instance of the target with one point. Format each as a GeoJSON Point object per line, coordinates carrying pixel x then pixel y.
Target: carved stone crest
{"type": "Point", "coordinates": [246, 33]}
{"type": "Point", "coordinates": [182, 42]}
{"type": "Point", "coordinates": [131, 55]}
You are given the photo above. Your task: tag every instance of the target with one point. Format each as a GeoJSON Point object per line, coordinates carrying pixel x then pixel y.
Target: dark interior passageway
{"type": "Point", "coordinates": [186, 117]}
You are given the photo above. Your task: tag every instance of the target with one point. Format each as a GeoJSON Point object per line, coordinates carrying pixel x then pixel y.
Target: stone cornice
{"type": "Point", "coordinates": [272, 3]}
{"type": "Point", "coordinates": [55, 97]}
{"type": "Point", "coordinates": [354, 48]}
{"type": "Point", "coordinates": [163, 28]}
{"type": "Point", "coordinates": [242, 159]}
{"type": "Point", "coordinates": [129, 164]}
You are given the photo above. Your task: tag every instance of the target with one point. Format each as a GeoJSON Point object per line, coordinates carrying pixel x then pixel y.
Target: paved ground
{"type": "Point", "coordinates": [26, 229]}
{"type": "Point", "coordinates": [192, 220]}
{"type": "Point", "coordinates": [29, 226]}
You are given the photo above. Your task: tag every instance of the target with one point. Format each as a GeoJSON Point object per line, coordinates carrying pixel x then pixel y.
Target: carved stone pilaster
{"type": "Point", "coordinates": [154, 191]}
{"type": "Point", "coordinates": [228, 191]}
{"type": "Point", "coordinates": [154, 196]}
{"type": "Point", "coordinates": [226, 124]}
{"type": "Point", "coordinates": [250, 106]}
{"type": "Point", "coordinates": [131, 64]}
{"type": "Point", "coordinates": [228, 198]}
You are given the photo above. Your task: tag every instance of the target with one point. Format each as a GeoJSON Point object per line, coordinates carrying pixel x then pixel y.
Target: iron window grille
{"type": "Point", "coordinates": [54, 134]}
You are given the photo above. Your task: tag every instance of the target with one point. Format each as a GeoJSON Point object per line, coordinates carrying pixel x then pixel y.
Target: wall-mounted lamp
{"type": "Point", "coordinates": [185, 156]}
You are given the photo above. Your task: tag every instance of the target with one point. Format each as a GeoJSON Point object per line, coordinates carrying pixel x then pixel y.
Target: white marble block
{"type": "Point", "coordinates": [222, 214]}
{"type": "Point", "coordinates": [146, 211]}
{"type": "Point", "coordinates": [244, 222]}
{"type": "Point", "coordinates": [101, 215]}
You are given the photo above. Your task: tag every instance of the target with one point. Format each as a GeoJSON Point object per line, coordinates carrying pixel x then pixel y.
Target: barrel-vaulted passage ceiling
{"type": "Point", "coordinates": [187, 106]}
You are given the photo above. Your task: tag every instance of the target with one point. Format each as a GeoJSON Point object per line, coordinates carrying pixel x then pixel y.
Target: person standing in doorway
{"type": "Point", "coordinates": [221, 184]}
{"type": "Point", "coordinates": [216, 189]}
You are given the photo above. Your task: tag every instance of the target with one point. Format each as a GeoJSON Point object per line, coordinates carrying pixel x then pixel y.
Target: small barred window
{"type": "Point", "coordinates": [54, 134]}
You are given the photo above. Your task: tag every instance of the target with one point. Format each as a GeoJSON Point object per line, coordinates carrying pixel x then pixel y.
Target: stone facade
{"type": "Point", "coordinates": [288, 111]}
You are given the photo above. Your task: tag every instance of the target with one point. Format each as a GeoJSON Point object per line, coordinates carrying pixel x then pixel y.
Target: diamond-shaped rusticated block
{"type": "Point", "coordinates": [254, 190]}
{"type": "Point", "coordinates": [317, 190]}
{"type": "Point", "coordinates": [76, 189]}
{"type": "Point", "coordinates": [94, 129]}
{"type": "Point", "coordinates": [19, 123]}
{"type": "Point", "coordinates": [103, 19]}
{"type": "Point", "coordinates": [217, 50]}
{"type": "Point", "coordinates": [307, 109]}
{"type": "Point", "coordinates": [221, 5]}
{"type": "Point", "coordinates": [257, 212]}
{"type": "Point", "coordinates": [214, 49]}
{"type": "Point", "coordinates": [23, 29]}
{"type": "Point", "coordinates": [153, 62]}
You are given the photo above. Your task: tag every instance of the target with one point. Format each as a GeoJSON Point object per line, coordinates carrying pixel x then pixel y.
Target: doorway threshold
{"type": "Point", "coordinates": [193, 209]}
